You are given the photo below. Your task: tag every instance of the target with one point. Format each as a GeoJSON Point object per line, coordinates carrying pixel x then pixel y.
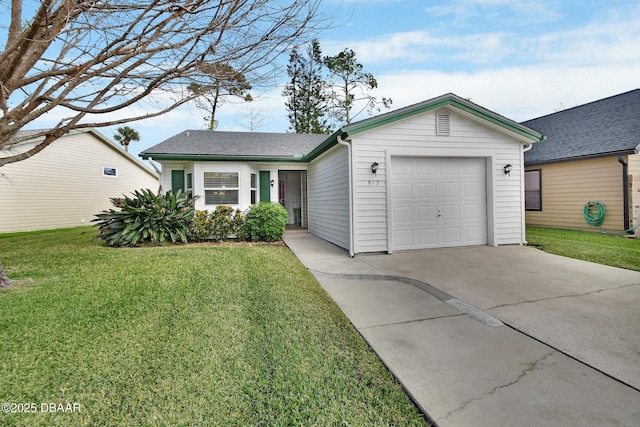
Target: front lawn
{"type": "Point", "coordinates": [595, 247]}
{"type": "Point", "coordinates": [181, 335]}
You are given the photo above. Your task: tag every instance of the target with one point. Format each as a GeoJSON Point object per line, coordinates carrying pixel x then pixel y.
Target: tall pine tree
{"type": "Point", "coordinates": [349, 88]}
{"type": "Point", "coordinates": [306, 91]}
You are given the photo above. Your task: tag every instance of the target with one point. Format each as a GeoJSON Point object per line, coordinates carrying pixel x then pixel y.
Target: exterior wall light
{"type": "Point", "coordinates": [507, 169]}
{"type": "Point", "coordinates": [374, 167]}
{"type": "Point", "coordinates": [272, 183]}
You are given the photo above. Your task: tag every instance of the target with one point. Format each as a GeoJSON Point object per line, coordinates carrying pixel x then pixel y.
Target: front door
{"type": "Point", "coordinates": [292, 194]}
{"type": "Point", "coordinates": [177, 180]}
{"type": "Point", "coordinates": [265, 186]}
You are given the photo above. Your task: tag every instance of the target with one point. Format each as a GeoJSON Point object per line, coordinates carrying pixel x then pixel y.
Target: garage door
{"type": "Point", "coordinates": [438, 202]}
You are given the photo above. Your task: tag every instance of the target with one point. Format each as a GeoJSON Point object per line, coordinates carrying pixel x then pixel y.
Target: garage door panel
{"type": "Point", "coordinates": [427, 213]}
{"type": "Point", "coordinates": [450, 212]}
{"type": "Point", "coordinates": [475, 235]}
{"type": "Point", "coordinates": [451, 235]}
{"type": "Point", "coordinates": [403, 239]}
{"type": "Point", "coordinates": [426, 191]}
{"type": "Point", "coordinates": [403, 215]}
{"type": "Point", "coordinates": [402, 191]}
{"type": "Point", "coordinates": [438, 202]}
{"type": "Point", "coordinates": [422, 167]}
{"type": "Point", "coordinates": [450, 189]}
{"type": "Point", "coordinates": [474, 189]}
{"type": "Point", "coordinates": [474, 211]}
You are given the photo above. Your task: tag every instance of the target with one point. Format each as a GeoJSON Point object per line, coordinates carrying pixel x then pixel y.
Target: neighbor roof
{"type": "Point", "coordinates": [607, 127]}
{"type": "Point", "coordinates": [219, 145]}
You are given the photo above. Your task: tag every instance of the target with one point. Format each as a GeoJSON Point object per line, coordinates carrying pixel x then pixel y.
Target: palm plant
{"type": "Point", "coordinates": [125, 135]}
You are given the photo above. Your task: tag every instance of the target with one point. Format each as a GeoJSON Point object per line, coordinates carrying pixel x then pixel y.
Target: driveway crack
{"type": "Point", "coordinates": [423, 319]}
{"type": "Point", "coordinates": [529, 369]}
{"type": "Point", "coordinates": [562, 296]}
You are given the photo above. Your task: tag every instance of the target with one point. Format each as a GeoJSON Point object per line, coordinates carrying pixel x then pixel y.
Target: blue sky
{"type": "Point", "coordinates": [521, 59]}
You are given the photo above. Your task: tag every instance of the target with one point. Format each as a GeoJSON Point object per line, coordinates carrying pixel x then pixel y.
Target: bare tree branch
{"type": "Point", "coordinates": [93, 57]}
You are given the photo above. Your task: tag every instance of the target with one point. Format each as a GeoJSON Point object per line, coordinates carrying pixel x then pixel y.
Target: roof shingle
{"type": "Point", "coordinates": [237, 144]}
{"type": "Point", "coordinates": [608, 126]}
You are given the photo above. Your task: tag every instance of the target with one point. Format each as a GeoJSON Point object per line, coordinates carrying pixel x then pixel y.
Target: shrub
{"type": "Point", "coordinates": [147, 217]}
{"type": "Point", "coordinates": [265, 221]}
{"type": "Point", "coordinates": [217, 225]}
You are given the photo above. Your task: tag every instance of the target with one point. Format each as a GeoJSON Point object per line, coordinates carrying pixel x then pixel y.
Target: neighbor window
{"type": "Point", "coordinates": [532, 190]}
{"type": "Point", "coordinates": [109, 171]}
{"type": "Point", "coordinates": [221, 188]}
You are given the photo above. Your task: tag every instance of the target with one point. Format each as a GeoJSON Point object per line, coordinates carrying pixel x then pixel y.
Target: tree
{"type": "Point", "coordinates": [91, 58]}
{"type": "Point", "coordinates": [125, 135]}
{"type": "Point", "coordinates": [352, 84]}
{"type": "Point", "coordinates": [306, 91]}
{"type": "Point", "coordinates": [224, 82]}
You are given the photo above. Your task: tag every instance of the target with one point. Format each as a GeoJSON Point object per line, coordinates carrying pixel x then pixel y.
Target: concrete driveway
{"type": "Point", "coordinates": [494, 335]}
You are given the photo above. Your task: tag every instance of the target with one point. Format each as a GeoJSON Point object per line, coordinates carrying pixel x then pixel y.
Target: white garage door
{"type": "Point", "coordinates": [438, 202]}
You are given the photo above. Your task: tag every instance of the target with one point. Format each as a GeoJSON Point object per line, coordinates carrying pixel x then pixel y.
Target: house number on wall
{"type": "Point", "coordinates": [374, 182]}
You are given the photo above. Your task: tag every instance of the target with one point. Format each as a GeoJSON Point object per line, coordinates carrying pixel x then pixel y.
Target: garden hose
{"type": "Point", "coordinates": [594, 213]}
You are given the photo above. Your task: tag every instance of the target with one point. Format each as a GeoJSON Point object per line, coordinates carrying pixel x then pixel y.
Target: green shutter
{"type": "Point", "coordinates": [177, 180]}
{"type": "Point", "coordinates": [265, 186]}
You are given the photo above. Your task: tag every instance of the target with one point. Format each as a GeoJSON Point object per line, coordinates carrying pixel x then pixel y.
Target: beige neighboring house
{"type": "Point", "coordinates": [67, 183]}
{"type": "Point", "coordinates": [590, 154]}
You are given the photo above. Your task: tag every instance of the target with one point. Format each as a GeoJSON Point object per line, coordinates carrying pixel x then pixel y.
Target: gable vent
{"type": "Point", "coordinates": [442, 124]}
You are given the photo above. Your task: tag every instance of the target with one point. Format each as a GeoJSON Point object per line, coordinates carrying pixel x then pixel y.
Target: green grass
{"type": "Point", "coordinates": [182, 335]}
{"type": "Point", "coordinates": [600, 248]}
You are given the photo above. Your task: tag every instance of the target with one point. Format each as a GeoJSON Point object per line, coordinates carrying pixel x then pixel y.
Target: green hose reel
{"type": "Point", "coordinates": [594, 213]}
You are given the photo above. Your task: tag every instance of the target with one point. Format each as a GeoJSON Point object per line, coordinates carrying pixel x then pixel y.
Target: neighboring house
{"type": "Point", "coordinates": [67, 183]}
{"type": "Point", "coordinates": [590, 155]}
{"type": "Point", "coordinates": [444, 172]}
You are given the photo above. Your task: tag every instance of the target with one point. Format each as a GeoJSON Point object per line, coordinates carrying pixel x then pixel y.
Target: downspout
{"type": "Point", "coordinates": [351, 220]}
{"type": "Point", "coordinates": [625, 192]}
{"type": "Point", "coordinates": [526, 148]}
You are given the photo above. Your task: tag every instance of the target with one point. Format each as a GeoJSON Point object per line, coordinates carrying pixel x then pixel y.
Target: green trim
{"type": "Point", "coordinates": [370, 124]}
{"type": "Point", "coordinates": [328, 143]}
{"type": "Point", "coordinates": [446, 100]}
{"type": "Point", "coordinates": [201, 157]}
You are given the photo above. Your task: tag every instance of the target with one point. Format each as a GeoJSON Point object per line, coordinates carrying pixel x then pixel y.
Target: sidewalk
{"type": "Point", "coordinates": [461, 365]}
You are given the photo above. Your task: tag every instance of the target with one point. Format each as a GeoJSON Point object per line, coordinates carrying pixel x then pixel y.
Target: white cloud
{"type": "Point", "coordinates": [519, 93]}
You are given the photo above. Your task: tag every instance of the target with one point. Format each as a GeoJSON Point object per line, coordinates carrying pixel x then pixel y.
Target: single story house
{"type": "Point", "coordinates": [440, 173]}
{"type": "Point", "coordinates": [67, 183]}
{"type": "Point", "coordinates": [590, 154]}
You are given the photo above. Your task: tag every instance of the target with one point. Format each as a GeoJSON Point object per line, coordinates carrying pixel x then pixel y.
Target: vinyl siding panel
{"type": "Point", "coordinates": [634, 190]}
{"type": "Point", "coordinates": [416, 136]}
{"type": "Point", "coordinates": [63, 185]}
{"type": "Point", "coordinates": [568, 186]}
{"type": "Point", "coordinates": [328, 197]}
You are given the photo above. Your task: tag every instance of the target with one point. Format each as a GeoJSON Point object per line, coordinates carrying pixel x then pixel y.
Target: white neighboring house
{"type": "Point", "coordinates": [441, 173]}
{"type": "Point", "coordinates": [67, 183]}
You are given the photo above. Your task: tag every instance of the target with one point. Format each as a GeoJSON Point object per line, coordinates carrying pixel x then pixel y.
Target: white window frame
{"type": "Point", "coordinates": [222, 187]}
{"type": "Point", "coordinates": [106, 175]}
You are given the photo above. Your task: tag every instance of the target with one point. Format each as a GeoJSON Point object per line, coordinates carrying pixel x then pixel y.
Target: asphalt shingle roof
{"type": "Point", "coordinates": [240, 144]}
{"type": "Point", "coordinates": [608, 126]}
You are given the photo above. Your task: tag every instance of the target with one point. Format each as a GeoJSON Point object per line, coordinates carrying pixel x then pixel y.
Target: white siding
{"type": "Point", "coordinates": [416, 136]}
{"type": "Point", "coordinates": [328, 195]}
{"type": "Point", "coordinates": [63, 185]}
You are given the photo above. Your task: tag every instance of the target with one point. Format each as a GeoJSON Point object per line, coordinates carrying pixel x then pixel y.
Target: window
{"type": "Point", "coordinates": [532, 190]}
{"type": "Point", "coordinates": [221, 188]}
{"type": "Point", "coordinates": [254, 188]}
{"type": "Point", "coordinates": [189, 181]}
{"type": "Point", "coordinates": [109, 171]}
